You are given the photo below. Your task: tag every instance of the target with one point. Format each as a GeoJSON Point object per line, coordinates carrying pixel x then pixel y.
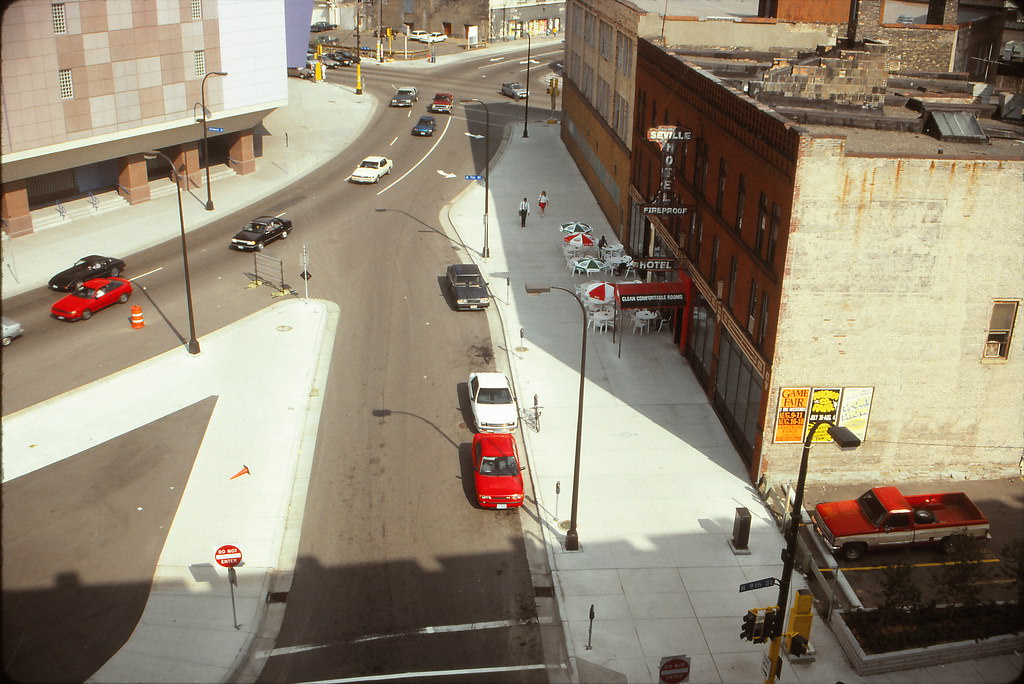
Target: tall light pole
{"type": "Point", "coordinates": [845, 438]}
{"type": "Point", "coordinates": [526, 113]}
{"type": "Point", "coordinates": [487, 173]}
{"type": "Point", "coordinates": [572, 539]}
{"type": "Point", "coordinates": [193, 343]}
{"type": "Point", "coordinates": [380, 30]}
{"type": "Point", "coordinates": [206, 149]}
{"type": "Point", "coordinates": [359, 49]}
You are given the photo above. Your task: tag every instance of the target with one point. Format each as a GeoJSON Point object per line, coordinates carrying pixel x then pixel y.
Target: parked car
{"type": "Point", "coordinates": [95, 294]}
{"type": "Point", "coordinates": [425, 126]}
{"type": "Point", "coordinates": [11, 329]}
{"type": "Point", "coordinates": [86, 268]}
{"type": "Point", "coordinates": [418, 34]}
{"type": "Point", "coordinates": [497, 473]}
{"type": "Point", "coordinates": [514, 90]}
{"type": "Point", "coordinates": [434, 37]}
{"type": "Point", "coordinates": [466, 283]}
{"type": "Point", "coordinates": [404, 97]}
{"type": "Point", "coordinates": [882, 517]}
{"type": "Point", "coordinates": [371, 169]}
{"type": "Point", "coordinates": [492, 402]}
{"type": "Point", "coordinates": [257, 233]}
{"type": "Point", "coordinates": [319, 26]}
{"type": "Point", "coordinates": [442, 103]}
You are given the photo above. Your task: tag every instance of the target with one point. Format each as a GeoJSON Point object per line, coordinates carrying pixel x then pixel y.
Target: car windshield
{"type": "Point", "coordinates": [494, 395]}
{"type": "Point", "coordinates": [871, 507]}
{"type": "Point", "coordinates": [500, 466]}
{"type": "Point", "coordinates": [467, 280]}
{"type": "Point", "coordinates": [86, 292]}
{"type": "Point", "coordinates": [368, 164]}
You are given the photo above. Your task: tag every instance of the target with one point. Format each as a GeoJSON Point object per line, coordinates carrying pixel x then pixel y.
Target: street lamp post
{"type": "Point", "coordinates": [193, 343]}
{"type": "Point", "coordinates": [526, 113]}
{"type": "Point", "coordinates": [487, 173]}
{"type": "Point", "coordinates": [572, 539]}
{"type": "Point", "coordinates": [359, 49]}
{"type": "Point", "coordinates": [206, 149]}
{"type": "Point", "coordinates": [845, 438]}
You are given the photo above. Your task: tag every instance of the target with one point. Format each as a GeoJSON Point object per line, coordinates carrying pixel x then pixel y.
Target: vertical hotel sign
{"type": "Point", "coordinates": [800, 407]}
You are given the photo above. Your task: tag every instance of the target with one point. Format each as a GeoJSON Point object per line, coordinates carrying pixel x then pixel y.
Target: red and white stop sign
{"type": "Point", "coordinates": [228, 555]}
{"type": "Point", "coordinates": [675, 669]}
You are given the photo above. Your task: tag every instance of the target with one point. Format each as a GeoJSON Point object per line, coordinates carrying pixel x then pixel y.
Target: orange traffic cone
{"type": "Point", "coordinates": [137, 321]}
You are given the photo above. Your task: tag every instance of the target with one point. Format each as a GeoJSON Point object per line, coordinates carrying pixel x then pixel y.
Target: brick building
{"type": "Point", "coordinates": [89, 86]}
{"type": "Point", "coordinates": [839, 247]}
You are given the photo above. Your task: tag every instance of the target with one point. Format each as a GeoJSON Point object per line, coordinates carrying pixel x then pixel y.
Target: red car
{"type": "Point", "coordinates": [95, 294]}
{"type": "Point", "coordinates": [496, 470]}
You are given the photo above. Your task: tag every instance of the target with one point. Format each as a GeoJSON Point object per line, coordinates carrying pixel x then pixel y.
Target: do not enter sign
{"type": "Point", "coordinates": [675, 669]}
{"type": "Point", "coordinates": [228, 556]}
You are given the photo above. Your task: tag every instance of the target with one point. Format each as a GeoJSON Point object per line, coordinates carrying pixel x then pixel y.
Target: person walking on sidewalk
{"type": "Point", "coordinates": [542, 201]}
{"type": "Point", "coordinates": [524, 211]}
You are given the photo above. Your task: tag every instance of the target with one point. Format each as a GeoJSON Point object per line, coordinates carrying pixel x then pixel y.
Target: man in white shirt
{"type": "Point", "coordinates": [524, 211]}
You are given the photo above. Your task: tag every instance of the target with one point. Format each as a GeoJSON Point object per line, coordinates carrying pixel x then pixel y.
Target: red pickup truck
{"type": "Point", "coordinates": [442, 103]}
{"type": "Point", "coordinates": [882, 517]}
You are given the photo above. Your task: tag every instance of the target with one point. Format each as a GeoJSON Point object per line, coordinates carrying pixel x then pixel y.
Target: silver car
{"type": "Point", "coordinates": [11, 330]}
{"type": "Point", "coordinates": [514, 90]}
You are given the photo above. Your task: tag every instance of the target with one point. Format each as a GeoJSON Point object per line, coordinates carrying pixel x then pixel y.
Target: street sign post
{"type": "Point", "coordinates": [674, 669]}
{"type": "Point", "coordinates": [474, 177]}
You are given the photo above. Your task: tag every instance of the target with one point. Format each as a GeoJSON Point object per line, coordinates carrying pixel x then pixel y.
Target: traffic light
{"type": "Point", "coordinates": [797, 645]}
{"type": "Point", "coordinates": [771, 619]}
{"type": "Point", "coordinates": [749, 625]}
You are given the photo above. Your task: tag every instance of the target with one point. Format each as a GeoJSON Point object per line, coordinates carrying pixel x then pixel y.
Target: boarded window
{"type": "Point", "coordinates": [1000, 330]}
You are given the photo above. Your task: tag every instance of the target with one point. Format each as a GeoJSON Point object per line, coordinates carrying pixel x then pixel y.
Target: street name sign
{"type": "Point", "coordinates": [214, 129]}
{"type": "Point", "coordinates": [758, 584]}
{"type": "Point", "coordinates": [474, 177]}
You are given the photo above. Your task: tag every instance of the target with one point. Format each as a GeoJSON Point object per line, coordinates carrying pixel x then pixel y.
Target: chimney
{"type": "Point", "coordinates": [943, 12]}
{"type": "Point", "coordinates": [865, 20]}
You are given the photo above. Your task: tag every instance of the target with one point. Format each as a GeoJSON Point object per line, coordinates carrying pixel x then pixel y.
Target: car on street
{"type": "Point", "coordinates": [442, 103]}
{"type": "Point", "coordinates": [404, 97]}
{"type": "Point", "coordinates": [255, 235]}
{"type": "Point", "coordinates": [466, 283]}
{"type": "Point", "coordinates": [514, 90]}
{"type": "Point", "coordinates": [371, 169]}
{"type": "Point", "coordinates": [11, 329]}
{"type": "Point", "coordinates": [418, 34]}
{"type": "Point", "coordinates": [344, 57]}
{"type": "Point", "coordinates": [319, 26]}
{"type": "Point", "coordinates": [492, 402]}
{"type": "Point", "coordinates": [95, 294]}
{"type": "Point", "coordinates": [497, 472]}
{"type": "Point", "coordinates": [434, 37]}
{"type": "Point", "coordinates": [425, 126]}
{"type": "Point", "coordinates": [86, 268]}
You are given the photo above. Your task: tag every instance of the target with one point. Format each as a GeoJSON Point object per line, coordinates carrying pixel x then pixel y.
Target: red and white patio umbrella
{"type": "Point", "coordinates": [601, 292]}
{"type": "Point", "coordinates": [579, 240]}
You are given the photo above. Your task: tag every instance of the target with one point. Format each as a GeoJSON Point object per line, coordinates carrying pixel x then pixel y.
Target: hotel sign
{"type": "Point", "coordinates": [664, 134]}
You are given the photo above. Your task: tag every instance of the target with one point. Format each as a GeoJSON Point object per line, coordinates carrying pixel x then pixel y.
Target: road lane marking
{"type": "Point", "coordinates": [446, 629]}
{"type": "Point", "coordinates": [393, 141]}
{"type": "Point", "coordinates": [437, 673]}
{"type": "Point", "coordinates": [422, 159]}
{"type": "Point", "coordinates": [158, 268]}
{"type": "Point", "coordinates": [913, 565]}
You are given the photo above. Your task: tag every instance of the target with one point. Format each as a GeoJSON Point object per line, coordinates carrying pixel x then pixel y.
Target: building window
{"type": "Point", "coordinates": [763, 330]}
{"type": "Point", "coordinates": [713, 269]}
{"type": "Point", "coordinates": [733, 272]}
{"type": "Point", "coordinates": [67, 86]}
{"type": "Point", "coordinates": [741, 199]}
{"type": "Point", "coordinates": [1000, 330]}
{"type": "Point", "coordinates": [605, 40]}
{"type": "Point", "coordinates": [722, 172]}
{"type": "Point", "coordinates": [773, 235]}
{"type": "Point", "coordinates": [60, 24]}
{"type": "Point", "coordinates": [200, 62]}
{"type": "Point", "coordinates": [762, 222]}
{"type": "Point", "coordinates": [700, 242]}
{"type": "Point", "coordinates": [752, 306]}
{"type": "Point", "coordinates": [197, 9]}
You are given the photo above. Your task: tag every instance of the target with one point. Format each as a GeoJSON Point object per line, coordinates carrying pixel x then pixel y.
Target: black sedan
{"type": "Point", "coordinates": [425, 126]}
{"type": "Point", "coordinates": [343, 57]}
{"type": "Point", "coordinates": [86, 268]}
{"type": "Point", "coordinates": [260, 231]}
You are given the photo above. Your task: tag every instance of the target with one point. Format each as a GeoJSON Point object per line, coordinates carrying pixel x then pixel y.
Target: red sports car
{"type": "Point", "coordinates": [94, 295]}
{"type": "Point", "coordinates": [496, 470]}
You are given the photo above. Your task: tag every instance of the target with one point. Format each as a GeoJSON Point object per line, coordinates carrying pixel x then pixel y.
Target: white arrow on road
{"type": "Point", "coordinates": [445, 174]}
{"type": "Point", "coordinates": [474, 135]}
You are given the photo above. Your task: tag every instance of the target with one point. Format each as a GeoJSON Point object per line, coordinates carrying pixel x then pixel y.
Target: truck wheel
{"type": "Point", "coordinates": [949, 543]}
{"type": "Point", "coordinates": [852, 552]}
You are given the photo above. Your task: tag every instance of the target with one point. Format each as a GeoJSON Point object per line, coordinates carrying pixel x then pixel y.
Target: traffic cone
{"type": "Point", "coordinates": [136, 318]}
{"type": "Point", "coordinates": [243, 471]}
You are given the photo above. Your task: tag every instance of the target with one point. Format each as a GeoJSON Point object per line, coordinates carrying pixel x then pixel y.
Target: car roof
{"type": "Point", "coordinates": [465, 269]}
{"type": "Point", "coordinates": [490, 379]}
{"type": "Point", "coordinates": [495, 444]}
{"type": "Point", "coordinates": [375, 159]}
{"type": "Point", "coordinates": [443, 96]}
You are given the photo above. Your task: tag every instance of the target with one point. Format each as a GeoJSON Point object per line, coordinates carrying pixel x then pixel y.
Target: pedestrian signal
{"type": "Point", "coordinates": [798, 645]}
{"type": "Point", "coordinates": [771, 619]}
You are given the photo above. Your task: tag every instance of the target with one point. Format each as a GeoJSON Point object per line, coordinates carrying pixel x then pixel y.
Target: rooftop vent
{"type": "Point", "coordinates": [956, 126]}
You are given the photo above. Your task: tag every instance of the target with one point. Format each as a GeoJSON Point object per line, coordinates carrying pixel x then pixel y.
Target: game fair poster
{"type": "Point", "coordinates": [790, 420]}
